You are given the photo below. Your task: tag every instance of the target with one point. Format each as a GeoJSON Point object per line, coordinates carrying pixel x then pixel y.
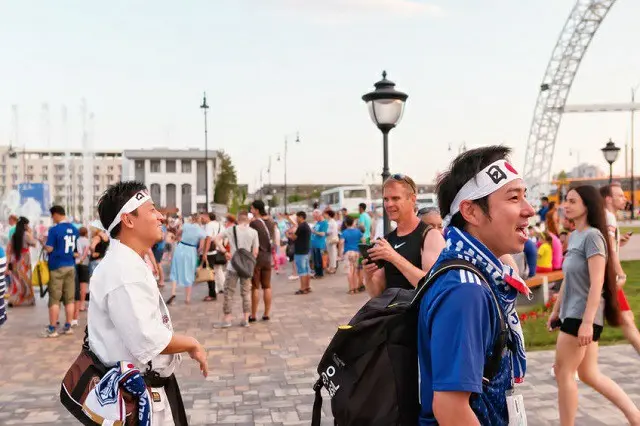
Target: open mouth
{"type": "Point", "coordinates": [522, 231]}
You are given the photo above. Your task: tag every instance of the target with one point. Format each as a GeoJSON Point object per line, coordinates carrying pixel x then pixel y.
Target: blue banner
{"type": "Point", "coordinates": [37, 191]}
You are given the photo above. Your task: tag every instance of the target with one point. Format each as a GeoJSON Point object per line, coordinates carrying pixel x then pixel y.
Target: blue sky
{"type": "Point", "coordinates": [270, 67]}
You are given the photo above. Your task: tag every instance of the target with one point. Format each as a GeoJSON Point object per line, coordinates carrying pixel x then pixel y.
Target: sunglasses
{"type": "Point", "coordinates": [399, 177]}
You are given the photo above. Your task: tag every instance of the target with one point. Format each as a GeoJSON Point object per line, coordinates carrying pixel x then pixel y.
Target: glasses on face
{"type": "Point", "coordinates": [399, 177]}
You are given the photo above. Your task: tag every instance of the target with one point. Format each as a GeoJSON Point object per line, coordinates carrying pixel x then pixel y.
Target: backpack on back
{"type": "Point", "coordinates": [370, 368]}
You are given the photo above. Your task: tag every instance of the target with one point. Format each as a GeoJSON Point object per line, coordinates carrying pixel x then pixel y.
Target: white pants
{"type": "Point", "coordinates": [219, 276]}
{"type": "Point", "coordinates": [162, 415]}
{"type": "Point", "coordinates": [333, 255]}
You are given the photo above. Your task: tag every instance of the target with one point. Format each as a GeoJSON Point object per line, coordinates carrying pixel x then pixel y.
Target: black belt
{"type": "Point", "coordinates": [154, 380]}
{"type": "Point", "coordinates": [190, 245]}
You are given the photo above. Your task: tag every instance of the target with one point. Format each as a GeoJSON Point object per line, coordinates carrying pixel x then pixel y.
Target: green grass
{"type": "Point", "coordinates": [535, 331]}
{"type": "Point", "coordinates": [625, 229]}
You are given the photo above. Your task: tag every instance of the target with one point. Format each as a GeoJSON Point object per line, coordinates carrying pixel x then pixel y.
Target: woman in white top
{"type": "Point", "coordinates": [332, 241]}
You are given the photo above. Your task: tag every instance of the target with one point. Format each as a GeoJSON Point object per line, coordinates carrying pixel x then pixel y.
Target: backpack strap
{"type": "Point", "coordinates": [492, 366]}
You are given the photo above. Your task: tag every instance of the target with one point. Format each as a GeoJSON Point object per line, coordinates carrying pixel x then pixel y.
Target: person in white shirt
{"type": "Point", "coordinates": [128, 319]}
{"type": "Point", "coordinates": [212, 228]}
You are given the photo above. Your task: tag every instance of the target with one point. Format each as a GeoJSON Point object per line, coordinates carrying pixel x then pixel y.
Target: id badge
{"type": "Point", "coordinates": [515, 408]}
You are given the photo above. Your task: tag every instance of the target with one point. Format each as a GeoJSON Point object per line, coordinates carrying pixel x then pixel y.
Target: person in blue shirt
{"type": "Point", "coordinates": [61, 246]}
{"type": "Point", "coordinates": [364, 222]}
{"type": "Point", "coordinates": [351, 237]}
{"type": "Point", "coordinates": [486, 215]}
{"type": "Point", "coordinates": [531, 254]}
{"type": "Point", "coordinates": [318, 242]}
{"type": "Point", "coordinates": [544, 209]}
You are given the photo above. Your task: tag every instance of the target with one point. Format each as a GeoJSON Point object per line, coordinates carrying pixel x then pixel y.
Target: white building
{"type": "Point", "coordinates": [175, 178]}
{"type": "Point", "coordinates": [75, 181]}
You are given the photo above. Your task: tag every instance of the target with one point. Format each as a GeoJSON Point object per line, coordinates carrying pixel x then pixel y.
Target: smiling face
{"type": "Point", "coordinates": [504, 230]}
{"type": "Point", "coordinates": [399, 200]}
{"type": "Point", "coordinates": [146, 224]}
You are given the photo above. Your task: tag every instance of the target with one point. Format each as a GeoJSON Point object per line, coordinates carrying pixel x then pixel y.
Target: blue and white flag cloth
{"type": "Point", "coordinates": [105, 404]}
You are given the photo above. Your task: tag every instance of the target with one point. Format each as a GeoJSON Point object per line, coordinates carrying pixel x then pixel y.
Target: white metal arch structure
{"type": "Point", "coordinates": [582, 24]}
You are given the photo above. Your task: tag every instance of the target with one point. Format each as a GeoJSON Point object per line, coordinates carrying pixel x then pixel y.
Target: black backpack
{"type": "Point", "coordinates": [242, 260]}
{"type": "Point", "coordinates": [370, 368]}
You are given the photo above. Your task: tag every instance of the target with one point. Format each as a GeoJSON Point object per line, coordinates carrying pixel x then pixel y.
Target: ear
{"type": "Point", "coordinates": [471, 212]}
{"type": "Point", "coordinates": [126, 221]}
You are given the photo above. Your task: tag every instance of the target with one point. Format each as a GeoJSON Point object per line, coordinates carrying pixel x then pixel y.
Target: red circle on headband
{"type": "Point", "coordinates": [510, 168]}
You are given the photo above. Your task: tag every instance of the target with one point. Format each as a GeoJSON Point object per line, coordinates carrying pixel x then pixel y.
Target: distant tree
{"type": "Point", "coordinates": [226, 183]}
{"type": "Point", "coordinates": [274, 201]}
{"type": "Point", "coordinates": [294, 198]}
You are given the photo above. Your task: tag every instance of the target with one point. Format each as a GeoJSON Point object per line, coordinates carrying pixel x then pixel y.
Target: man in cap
{"type": "Point", "coordinates": [128, 319]}
{"type": "Point", "coordinates": [486, 216]}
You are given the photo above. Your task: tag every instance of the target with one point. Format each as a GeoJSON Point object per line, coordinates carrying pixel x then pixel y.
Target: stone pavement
{"type": "Point", "coordinates": [261, 375]}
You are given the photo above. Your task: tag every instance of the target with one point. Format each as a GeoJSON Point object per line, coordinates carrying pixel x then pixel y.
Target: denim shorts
{"type": "Point", "coordinates": [302, 264]}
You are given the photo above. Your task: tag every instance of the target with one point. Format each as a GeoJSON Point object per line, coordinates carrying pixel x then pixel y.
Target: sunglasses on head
{"type": "Point", "coordinates": [406, 179]}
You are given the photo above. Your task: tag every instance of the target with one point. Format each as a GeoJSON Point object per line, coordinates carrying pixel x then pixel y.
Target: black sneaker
{"type": "Point", "coordinates": [252, 319]}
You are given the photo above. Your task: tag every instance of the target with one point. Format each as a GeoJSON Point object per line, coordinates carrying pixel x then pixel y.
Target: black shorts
{"type": "Point", "coordinates": [82, 272]}
{"type": "Point", "coordinates": [572, 325]}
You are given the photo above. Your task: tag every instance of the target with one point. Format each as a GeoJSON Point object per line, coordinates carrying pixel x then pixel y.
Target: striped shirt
{"type": "Point", "coordinates": [3, 286]}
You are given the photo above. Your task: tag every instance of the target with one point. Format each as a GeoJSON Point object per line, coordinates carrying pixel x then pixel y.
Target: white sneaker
{"type": "Point", "coordinates": [293, 277]}
{"type": "Point", "coordinates": [74, 323]}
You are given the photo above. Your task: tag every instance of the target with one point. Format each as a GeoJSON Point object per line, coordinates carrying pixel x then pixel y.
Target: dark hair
{"type": "Point", "coordinates": [605, 191]}
{"type": "Point", "coordinates": [348, 220]}
{"type": "Point", "coordinates": [83, 231]}
{"type": "Point", "coordinates": [544, 199]}
{"type": "Point", "coordinates": [57, 210]}
{"type": "Point", "coordinates": [17, 239]}
{"type": "Point", "coordinates": [212, 216]}
{"type": "Point", "coordinates": [259, 205]}
{"type": "Point", "coordinates": [302, 215]}
{"type": "Point", "coordinates": [552, 205]}
{"type": "Point", "coordinates": [331, 213]}
{"type": "Point", "coordinates": [112, 201]}
{"type": "Point", "coordinates": [464, 168]}
{"type": "Point", "coordinates": [596, 218]}
{"type": "Point", "coordinates": [231, 218]}
{"type": "Point", "coordinates": [363, 206]}
{"type": "Point", "coordinates": [564, 233]}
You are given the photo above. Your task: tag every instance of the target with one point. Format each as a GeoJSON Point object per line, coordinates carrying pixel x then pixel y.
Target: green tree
{"type": "Point", "coordinates": [294, 198]}
{"type": "Point", "coordinates": [227, 181]}
{"type": "Point", "coordinates": [238, 201]}
{"type": "Point", "coordinates": [274, 201]}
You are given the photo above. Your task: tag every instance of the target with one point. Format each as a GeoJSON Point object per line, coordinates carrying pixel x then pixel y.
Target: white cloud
{"type": "Point", "coordinates": [346, 11]}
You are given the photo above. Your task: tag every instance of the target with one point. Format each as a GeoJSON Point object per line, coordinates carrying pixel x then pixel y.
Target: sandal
{"type": "Point", "coordinates": [300, 292]}
{"type": "Point", "coordinates": [171, 299]}
{"type": "Point", "coordinates": [351, 292]}
{"type": "Point", "coordinates": [208, 299]}
{"type": "Point", "coordinates": [265, 318]}
{"type": "Point", "coordinates": [307, 291]}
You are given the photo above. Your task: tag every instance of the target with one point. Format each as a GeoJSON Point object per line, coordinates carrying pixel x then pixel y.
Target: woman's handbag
{"type": "Point", "coordinates": [41, 276]}
{"type": "Point", "coordinates": [204, 273]}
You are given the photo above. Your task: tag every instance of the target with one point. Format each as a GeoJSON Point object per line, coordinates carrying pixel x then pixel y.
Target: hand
{"type": "Point", "coordinates": [622, 280]}
{"type": "Point", "coordinates": [624, 239]}
{"type": "Point", "coordinates": [370, 268]}
{"type": "Point", "coordinates": [585, 333]}
{"type": "Point", "coordinates": [200, 356]}
{"type": "Point", "coordinates": [553, 317]}
{"type": "Point", "coordinates": [227, 256]}
{"type": "Point", "coordinates": [382, 250]}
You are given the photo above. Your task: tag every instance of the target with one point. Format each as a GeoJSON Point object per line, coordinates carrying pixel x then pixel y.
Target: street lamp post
{"type": "Point", "coordinates": [610, 152]}
{"type": "Point", "coordinates": [286, 146]}
{"type": "Point", "coordinates": [386, 106]}
{"type": "Point", "coordinates": [205, 107]}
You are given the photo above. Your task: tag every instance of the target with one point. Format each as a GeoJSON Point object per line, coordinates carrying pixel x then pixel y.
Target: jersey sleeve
{"type": "Point", "coordinates": [51, 237]}
{"type": "Point", "coordinates": [594, 244]}
{"type": "Point", "coordinates": [461, 332]}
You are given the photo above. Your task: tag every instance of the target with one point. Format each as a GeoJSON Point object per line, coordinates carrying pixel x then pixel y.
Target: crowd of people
{"type": "Point", "coordinates": [483, 219]}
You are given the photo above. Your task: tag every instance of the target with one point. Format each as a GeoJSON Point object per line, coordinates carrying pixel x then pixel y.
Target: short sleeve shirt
{"type": "Point", "coordinates": [612, 226]}
{"type": "Point", "coordinates": [320, 241]}
{"type": "Point", "coordinates": [302, 244]}
{"type": "Point", "coordinates": [62, 238]}
{"type": "Point", "coordinates": [247, 239]}
{"type": "Point", "coordinates": [365, 221]}
{"type": "Point", "coordinates": [582, 246]}
{"type": "Point", "coordinates": [458, 325]}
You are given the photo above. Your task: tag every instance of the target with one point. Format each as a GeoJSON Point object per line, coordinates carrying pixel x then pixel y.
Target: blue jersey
{"type": "Point", "coordinates": [352, 237]}
{"type": "Point", "coordinates": [458, 325]}
{"type": "Point", "coordinates": [62, 238]}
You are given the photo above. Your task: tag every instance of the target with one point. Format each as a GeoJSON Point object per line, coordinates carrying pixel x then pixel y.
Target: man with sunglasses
{"type": "Point", "coordinates": [408, 252]}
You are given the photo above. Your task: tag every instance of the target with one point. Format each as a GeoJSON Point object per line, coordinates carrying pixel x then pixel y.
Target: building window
{"type": "Point", "coordinates": [30, 168]}
{"type": "Point", "coordinates": [45, 178]}
{"type": "Point", "coordinates": [171, 196]}
{"type": "Point", "coordinates": [186, 199]}
{"type": "Point", "coordinates": [96, 178]}
{"type": "Point", "coordinates": [29, 177]}
{"type": "Point", "coordinates": [139, 170]}
{"type": "Point", "coordinates": [110, 178]}
{"type": "Point", "coordinates": [170, 166]}
{"type": "Point", "coordinates": [186, 166]}
{"type": "Point", "coordinates": [155, 193]}
{"type": "Point", "coordinates": [110, 168]}
{"type": "Point", "coordinates": [14, 177]}
{"type": "Point", "coordinates": [96, 188]}
{"type": "Point", "coordinates": [4, 169]}
{"type": "Point", "coordinates": [155, 166]}
{"type": "Point", "coordinates": [59, 188]}
{"type": "Point", "coordinates": [59, 167]}
{"type": "Point", "coordinates": [45, 169]}
{"type": "Point", "coordinates": [201, 185]}
{"type": "Point", "coordinates": [15, 169]}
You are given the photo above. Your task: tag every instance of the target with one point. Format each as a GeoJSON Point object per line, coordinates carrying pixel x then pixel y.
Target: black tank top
{"type": "Point", "coordinates": [410, 247]}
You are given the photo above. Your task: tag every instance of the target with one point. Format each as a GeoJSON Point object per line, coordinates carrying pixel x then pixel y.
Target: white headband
{"type": "Point", "coordinates": [489, 180]}
{"type": "Point", "coordinates": [134, 202]}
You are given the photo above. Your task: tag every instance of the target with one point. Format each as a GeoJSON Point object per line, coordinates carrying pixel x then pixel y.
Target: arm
{"type": "Point", "coordinates": [48, 246]}
{"type": "Point", "coordinates": [615, 258]}
{"type": "Point", "coordinates": [452, 409]}
{"type": "Point", "coordinates": [134, 312]}
{"type": "Point", "coordinates": [9, 252]}
{"type": "Point", "coordinates": [375, 280]}
{"type": "Point", "coordinates": [463, 316]}
{"type": "Point", "coordinates": [255, 245]}
{"type": "Point", "coordinates": [218, 242]}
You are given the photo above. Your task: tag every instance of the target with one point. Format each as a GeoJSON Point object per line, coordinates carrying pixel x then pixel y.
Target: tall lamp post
{"type": "Point", "coordinates": [286, 146]}
{"type": "Point", "coordinates": [205, 107]}
{"type": "Point", "coordinates": [386, 106]}
{"type": "Point", "coordinates": [610, 152]}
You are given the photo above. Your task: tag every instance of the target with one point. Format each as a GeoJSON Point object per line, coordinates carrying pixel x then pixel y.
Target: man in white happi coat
{"type": "Point", "coordinates": [128, 319]}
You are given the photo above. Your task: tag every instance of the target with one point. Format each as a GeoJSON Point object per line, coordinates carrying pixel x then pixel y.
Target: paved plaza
{"type": "Point", "coordinates": [261, 375]}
